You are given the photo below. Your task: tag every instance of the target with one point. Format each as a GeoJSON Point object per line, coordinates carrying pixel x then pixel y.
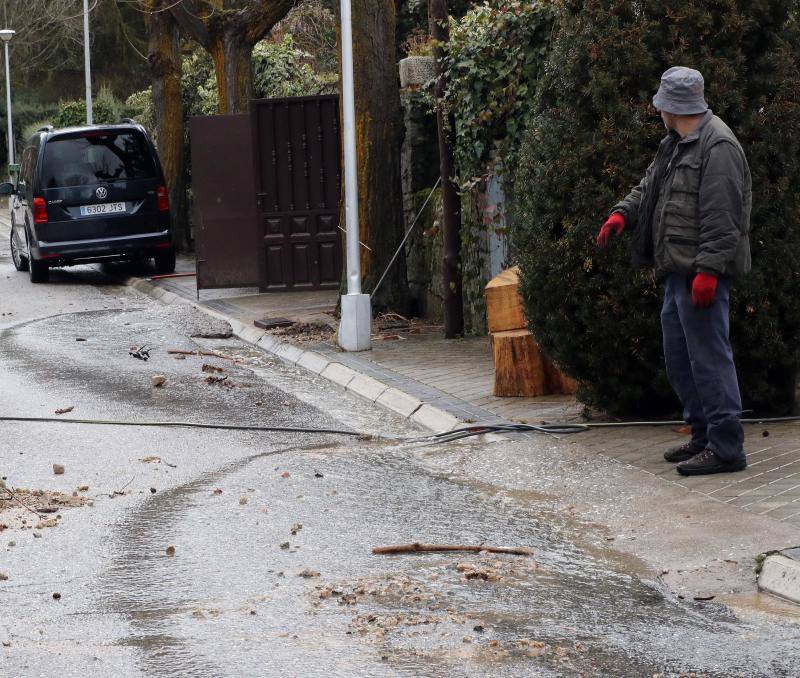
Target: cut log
{"type": "Point", "coordinates": [504, 308]}
{"type": "Point", "coordinates": [519, 369]}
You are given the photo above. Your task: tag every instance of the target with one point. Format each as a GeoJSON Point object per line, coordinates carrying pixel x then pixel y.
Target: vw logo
{"type": "Point", "coordinates": [101, 193]}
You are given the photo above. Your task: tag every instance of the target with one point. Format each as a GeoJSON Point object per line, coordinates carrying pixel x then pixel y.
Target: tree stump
{"type": "Point", "coordinates": [520, 367]}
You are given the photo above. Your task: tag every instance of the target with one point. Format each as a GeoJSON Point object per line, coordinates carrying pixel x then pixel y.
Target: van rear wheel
{"type": "Point", "coordinates": [20, 262]}
{"type": "Point", "coordinates": [165, 260]}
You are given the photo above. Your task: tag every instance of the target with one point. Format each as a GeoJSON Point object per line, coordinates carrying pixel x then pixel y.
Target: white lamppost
{"type": "Point", "coordinates": [355, 326]}
{"type": "Point", "coordinates": [5, 35]}
{"type": "Point", "coordinates": [87, 65]}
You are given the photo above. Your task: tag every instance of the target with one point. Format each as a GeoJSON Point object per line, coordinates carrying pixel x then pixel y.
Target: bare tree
{"type": "Point", "coordinates": [46, 29]}
{"type": "Point", "coordinates": [228, 30]}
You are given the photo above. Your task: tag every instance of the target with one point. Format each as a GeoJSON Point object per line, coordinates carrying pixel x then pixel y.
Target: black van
{"type": "Point", "coordinates": [88, 194]}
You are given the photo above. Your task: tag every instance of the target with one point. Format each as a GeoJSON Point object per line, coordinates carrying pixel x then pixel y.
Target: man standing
{"type": "Point", "coordinates": [690, 217]}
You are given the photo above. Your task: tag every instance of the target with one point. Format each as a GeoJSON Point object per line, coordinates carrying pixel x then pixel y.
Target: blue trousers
{"type": "Point", "coordinates": [699, 360]}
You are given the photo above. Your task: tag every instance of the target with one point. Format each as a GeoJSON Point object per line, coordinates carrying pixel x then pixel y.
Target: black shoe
{"type": "Point", "coordinates": [707, 462]}
{"type": "Point", "coordinates": [683, 452]}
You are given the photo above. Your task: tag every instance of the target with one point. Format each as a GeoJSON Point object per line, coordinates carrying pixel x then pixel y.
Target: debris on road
{"type": "Point", "coordinates": [219, 381]}
{"type": "Point", "coordinates": [158, 380]}
{"type": "Point", "coordinates": [416, 547]}
{"type": "Point", "coordinates": [473, 571]}
{"type": "Point", "coordinates": [207, 354]}
{"type": "Point", "coordinates": [308, 573]}
{"type": "Point", "coordinates": [83, 488]}
{"type": "Point", "coordinates": [58, 469]}
{"type": "Point", "coordinates": [296, 528]}
{"type": "Point", "coordinates": [64, 410]}
{"type": "Point", "coordinates": [56, 595]}
{"type": "Point", "coordinates": [217, 492]}
{"type": "Point", "coordinates": [211, 368]}
{"type": "Point", "coordinates": [150, 459]}
{"type": "Point", "coordinates": [3, 576]}
{"type": "Point", "coordinates": [170, 550]}
{"type": "Point", "coordinates": [285, 474]}
{"type": "Point", "coordinates": [140, 352]}
{"type": "Point", "coordinates": [242, 500]}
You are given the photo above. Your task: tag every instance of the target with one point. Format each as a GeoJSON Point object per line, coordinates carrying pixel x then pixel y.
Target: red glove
{"type": "Point", "coordinates": [614, 224]}
{"type": "Point", "coordinates": [704, 287]}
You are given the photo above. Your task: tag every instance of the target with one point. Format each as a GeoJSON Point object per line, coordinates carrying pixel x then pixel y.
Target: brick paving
{"type": "Point", "coordinates": [457, 376]}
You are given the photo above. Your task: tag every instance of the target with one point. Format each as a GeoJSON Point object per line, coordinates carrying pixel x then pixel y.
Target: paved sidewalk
{"type": "Point", "coordinates": [444, 383]}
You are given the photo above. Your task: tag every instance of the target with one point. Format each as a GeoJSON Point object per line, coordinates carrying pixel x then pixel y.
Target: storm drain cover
{"type": "Point", "coordinates": [272, 323]}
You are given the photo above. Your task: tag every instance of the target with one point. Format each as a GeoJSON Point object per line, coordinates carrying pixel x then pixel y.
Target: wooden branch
{"type": "Point", "coordinates": [191, 19]}
{"type": "Point", "coordinates": [260, 17]}
{"type": "Point", "coordinates": [447, 548]}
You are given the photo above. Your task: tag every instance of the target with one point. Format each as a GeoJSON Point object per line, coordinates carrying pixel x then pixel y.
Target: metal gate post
{"type": "Point", "coordinates": [355, 327]}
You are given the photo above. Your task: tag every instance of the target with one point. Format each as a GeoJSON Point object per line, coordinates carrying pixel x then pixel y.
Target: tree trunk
{"type": "Point", "coordinates": [378, 138]}
{"type": "Point", "coordinates": [229, 31]}
{"type": "Point", "coordinates": [231, 52]}
{"type": "Point", "coordinates": [164, 57]}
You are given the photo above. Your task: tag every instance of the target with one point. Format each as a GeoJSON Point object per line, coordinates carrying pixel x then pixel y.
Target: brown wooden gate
{"type": "Point", "coordinates": [298, 186]}
{"type": "Point", "coordinates": [224, 202]}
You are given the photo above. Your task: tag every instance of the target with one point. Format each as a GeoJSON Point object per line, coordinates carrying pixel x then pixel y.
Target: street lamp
{"type": "Point", "coordinates": [5, 35]}
{"type": "Point", "coordinates": [87, 65]}
{"type": "Point", "coordinates": [355, 326]}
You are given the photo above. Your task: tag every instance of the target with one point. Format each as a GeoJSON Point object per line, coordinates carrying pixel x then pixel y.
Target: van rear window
{"type": "Point", "coordinates": [95, 159]}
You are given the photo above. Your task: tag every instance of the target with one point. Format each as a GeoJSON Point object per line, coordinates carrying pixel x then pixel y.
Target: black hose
{"type": "Point", "coordinates": [557, 430]}
{"type": "Point", "coordinates": [189, 424]}
{"type": "Point", "coordinates": [554, 430]}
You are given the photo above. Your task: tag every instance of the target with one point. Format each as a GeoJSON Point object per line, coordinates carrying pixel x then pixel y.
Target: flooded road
{"type": "Point", "coordinates": [270, 570]}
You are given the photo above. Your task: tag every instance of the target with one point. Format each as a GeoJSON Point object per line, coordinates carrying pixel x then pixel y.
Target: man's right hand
{"type": "Point", "coordinates": [614, 224]}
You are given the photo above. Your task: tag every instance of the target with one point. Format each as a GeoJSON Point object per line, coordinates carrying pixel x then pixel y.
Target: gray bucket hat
{"type": "Point", "coordinates": [681, 92]}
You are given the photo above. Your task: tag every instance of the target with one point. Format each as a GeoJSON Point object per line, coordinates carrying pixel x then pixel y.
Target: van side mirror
{"type": "Point", "coordinates": [7, 188]}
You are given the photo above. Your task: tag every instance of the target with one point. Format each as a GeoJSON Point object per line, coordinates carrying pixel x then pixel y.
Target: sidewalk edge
{"type": "Point", "coordinates": [427, 416]}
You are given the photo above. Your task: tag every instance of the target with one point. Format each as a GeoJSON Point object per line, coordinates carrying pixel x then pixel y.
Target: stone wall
{"type": "Point", "coordinates": [484, 250]}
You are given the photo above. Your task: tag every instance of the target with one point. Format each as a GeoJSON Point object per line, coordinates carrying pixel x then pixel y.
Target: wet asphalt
{"type": "Point", "coordinates": [272, 571]}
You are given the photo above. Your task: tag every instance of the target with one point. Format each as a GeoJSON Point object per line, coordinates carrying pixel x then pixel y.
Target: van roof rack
{"type": "Point", "coordinates": [46, 128]}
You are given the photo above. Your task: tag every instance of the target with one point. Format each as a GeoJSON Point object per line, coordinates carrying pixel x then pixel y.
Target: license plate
{"type": "Point", "coordinates": [105, 208]}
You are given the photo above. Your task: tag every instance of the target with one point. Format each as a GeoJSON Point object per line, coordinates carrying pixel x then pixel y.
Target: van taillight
{"type": "Point", "coordinates": [162, 198]}
{"type": "Point", "coordinates": [39, 211]}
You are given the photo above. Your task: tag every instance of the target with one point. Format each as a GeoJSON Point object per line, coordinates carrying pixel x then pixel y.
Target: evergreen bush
{"type": "Point", "coordinates": [592, 136]}
{"type": "Point", "coordinates": [73, 114]}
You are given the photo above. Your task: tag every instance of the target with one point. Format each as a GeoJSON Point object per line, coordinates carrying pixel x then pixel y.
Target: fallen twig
{"type": "Point", "coordinates": [20, 502]}
{"type": "Point", "coordinates": [444, 548]}
{"type": "Point", "coordinates": [208, 354]}
{"type": "Point", "coordinates": [121, 491]}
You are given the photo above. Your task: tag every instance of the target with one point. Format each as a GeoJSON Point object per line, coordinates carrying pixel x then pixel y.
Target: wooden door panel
{"type": "Point", "coordinates": [298, 185]}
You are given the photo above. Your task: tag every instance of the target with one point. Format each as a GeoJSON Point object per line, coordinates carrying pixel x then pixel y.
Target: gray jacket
{"type": "Point", "coordinates": [701, 220]}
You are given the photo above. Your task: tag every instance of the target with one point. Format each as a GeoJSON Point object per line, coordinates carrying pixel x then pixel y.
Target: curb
{"type": "Point", "coordinates": [423, 414]}
{"type": "Point", "coordinates": [780, 576]}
